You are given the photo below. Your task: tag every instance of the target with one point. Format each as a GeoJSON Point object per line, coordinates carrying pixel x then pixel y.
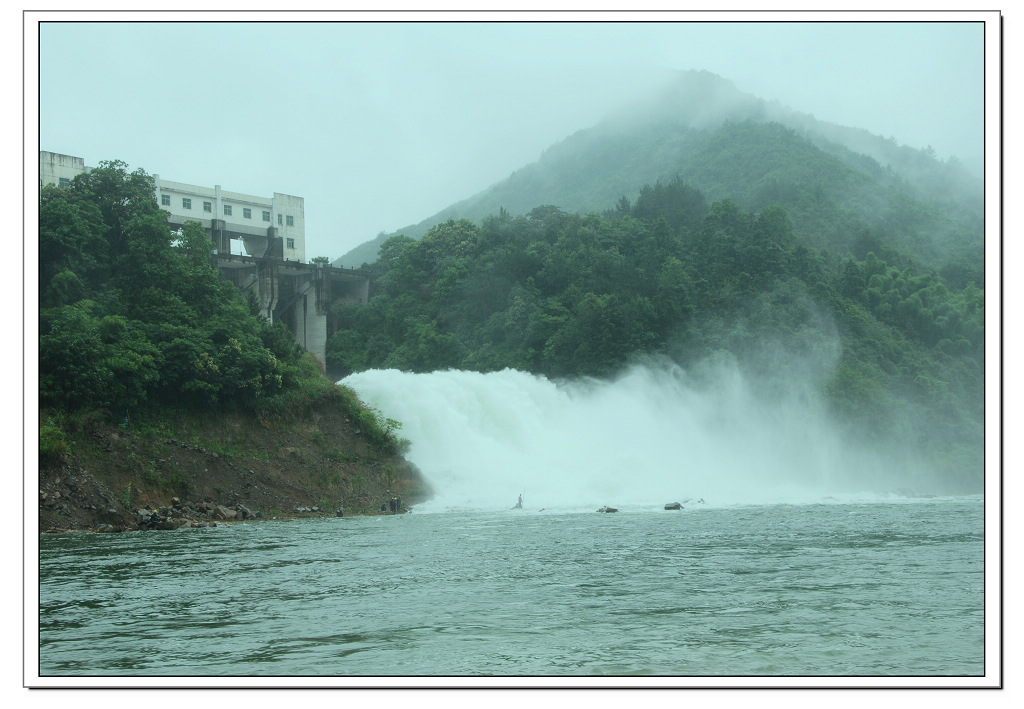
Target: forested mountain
{"type": "Point", "coordinates": [796, 257]}
{"type": "Point", "coordinates": [728, 144]}
{"type": "Point", "coordinates": [896, 352]}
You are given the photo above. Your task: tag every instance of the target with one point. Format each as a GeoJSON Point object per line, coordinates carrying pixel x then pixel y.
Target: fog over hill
{"type": "Point", "coordinates": [701, 223]}
{"type": "Point", "coordinates": [668, 135]}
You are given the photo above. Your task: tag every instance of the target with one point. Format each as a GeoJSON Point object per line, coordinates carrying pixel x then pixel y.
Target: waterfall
{"type": "Point", "coordinates": [654, 435]}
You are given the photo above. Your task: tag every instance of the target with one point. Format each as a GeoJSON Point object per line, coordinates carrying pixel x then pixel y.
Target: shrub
{"type": "Point", "coordinates": [53, 443]}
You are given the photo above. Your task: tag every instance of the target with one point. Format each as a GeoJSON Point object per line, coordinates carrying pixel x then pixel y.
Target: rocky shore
{"type": "Point", "coordinates": [218, 470]}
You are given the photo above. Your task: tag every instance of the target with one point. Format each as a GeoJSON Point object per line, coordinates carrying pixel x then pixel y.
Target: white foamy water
{"type": "Point", "coordinates": [650, 437]}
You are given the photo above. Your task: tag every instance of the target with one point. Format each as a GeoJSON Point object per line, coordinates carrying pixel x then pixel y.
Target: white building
{"type": "Point", "coordinates": [57, 169]}
{"type": "Point", "coordinates": [232, 219]}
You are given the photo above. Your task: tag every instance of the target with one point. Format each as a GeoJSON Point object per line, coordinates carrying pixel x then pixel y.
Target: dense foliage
{"type": "Point", "coordinates": [900, 347]}
{"type": "Point", "coordinates": [133, 315]}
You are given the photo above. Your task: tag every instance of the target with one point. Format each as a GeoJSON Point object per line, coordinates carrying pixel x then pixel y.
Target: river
{"type": "Point", "coordinates": [890, 588]}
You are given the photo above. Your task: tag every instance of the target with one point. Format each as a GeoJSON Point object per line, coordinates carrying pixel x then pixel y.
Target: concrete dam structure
{"type": "Point", "coordinates": [298, 294]}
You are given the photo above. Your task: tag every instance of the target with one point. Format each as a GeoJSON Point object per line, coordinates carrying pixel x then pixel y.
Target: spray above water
{"type": "Point", "coordinates": [653, 436]}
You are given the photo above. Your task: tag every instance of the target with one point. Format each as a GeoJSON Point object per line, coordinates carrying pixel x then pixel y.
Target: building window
{"type": "Point", "coordinates": [279, 220]}
{"type": "Point", "coordinates": [266, 216]}
{"type": "Point", "coordinates": [291, 220]}
{"type": "Point", "coordinates": [208, 207]}
{"type": "Point", "coordinates": [227, 210]}
{"type": "Point", "coordinates": [63, 182]}
{"type": "Point", "coordinates": [246, 212]}
{"type": "Point", "coordinates": [186, 203]}
{"type": "Point", "coordinates": [291, 243]}
{"type": "Point", "coordinates": [165, 200]}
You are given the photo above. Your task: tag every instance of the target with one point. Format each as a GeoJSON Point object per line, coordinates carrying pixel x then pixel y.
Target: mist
{"type": "Point", "coordinates": [379, 125]}
{"type": "Point", "coordinates": [656, 434]}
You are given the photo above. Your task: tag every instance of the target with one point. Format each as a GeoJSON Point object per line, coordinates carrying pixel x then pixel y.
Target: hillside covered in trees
{"type": "Point", "coordinates": [141, 341]}
{"type": "Point", "coordinates": [708, 223]}
{"type": "Point", "coordinates": [895, 344]}
{"type": "Point", "coordinates": [836, 183]}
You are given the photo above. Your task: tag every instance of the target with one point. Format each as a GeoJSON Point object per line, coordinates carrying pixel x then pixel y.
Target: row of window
{"type": "Point", "coordinates": [186, 203]}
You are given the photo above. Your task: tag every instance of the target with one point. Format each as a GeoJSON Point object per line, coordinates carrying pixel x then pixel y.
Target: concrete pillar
{"type": "Point", "coordinates": [316, 334]}
{"type": "Point", "coordinates": [220, 243]}
{"type": "Point", "coordinates": [268, 288]}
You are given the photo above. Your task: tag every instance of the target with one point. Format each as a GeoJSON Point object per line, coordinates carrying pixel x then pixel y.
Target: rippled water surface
{"type": "Point", "coordinates": [824, 589]}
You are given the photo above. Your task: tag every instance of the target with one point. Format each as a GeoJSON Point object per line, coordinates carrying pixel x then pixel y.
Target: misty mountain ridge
{"type": "Point", "coordinates": [730, 144]}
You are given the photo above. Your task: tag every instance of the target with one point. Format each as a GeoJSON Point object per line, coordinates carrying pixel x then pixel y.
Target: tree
{"type": "Point", "coordinates": [852, 284]}
{"type": "Point", "coordinates": [120, 195]}
{"type": "Point", "coordinates": [672, 301]}
{"type": "Point", "coordinates": [131, 315]}
{"type": "Point", "coordinates": [450, 240]}
{"type": "Point", "coordinates": [679, 204]}
{"type": "Point", "coordinates": [71, 240]}
{"type": "Point", "coordinates": [71, 358]}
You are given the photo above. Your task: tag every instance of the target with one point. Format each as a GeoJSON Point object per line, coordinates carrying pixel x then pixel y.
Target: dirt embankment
{"type": "Point", "coordinates": [235, 461]}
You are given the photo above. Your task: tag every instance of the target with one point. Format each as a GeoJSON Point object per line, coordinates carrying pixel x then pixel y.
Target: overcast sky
{"type": "Point", "coordinates": [380, 125]}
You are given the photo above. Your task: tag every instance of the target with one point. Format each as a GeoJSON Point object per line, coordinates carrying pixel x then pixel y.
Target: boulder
{"type": "Point", "coordinates": [224, 513]}
{"type": "Point", "coordinates": [111, 515]}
